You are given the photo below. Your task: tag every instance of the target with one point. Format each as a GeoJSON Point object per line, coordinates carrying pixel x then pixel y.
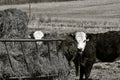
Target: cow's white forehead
{"type": "Point", "coordinates": [38, 34]}
{"type": "Point", "coordinates": [80, 36]}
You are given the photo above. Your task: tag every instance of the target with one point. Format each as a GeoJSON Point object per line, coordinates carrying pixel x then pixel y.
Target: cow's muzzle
{"type": "Point", "coordinates": [80, 51]}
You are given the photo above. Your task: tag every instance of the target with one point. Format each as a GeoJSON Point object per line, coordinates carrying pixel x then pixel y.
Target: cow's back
{"type": "Point", "coordinates": [107, 46]}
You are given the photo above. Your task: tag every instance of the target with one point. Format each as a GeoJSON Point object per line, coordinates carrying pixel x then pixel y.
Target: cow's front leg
{"type": "Point", "coordinates": [77, 66]}
{"type": "Point", "coordinates": [82, 71]}
{"type": "Point", "coordinates": [88, 68]}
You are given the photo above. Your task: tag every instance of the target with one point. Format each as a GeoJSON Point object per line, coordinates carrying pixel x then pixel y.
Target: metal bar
{"type": "Point", "coordinates": [24, 57]}
{"type": "Point", "coordinates": [36, 47]}
{"type": "Point", "coordinates": [29, 40]}
{"type": "Point", "coordinates": [48, 51]}
{"type": "Point", "coordinates": [9, 56]}
{"type": "Point", "coordinates": [63, 44]}
{"type": "Point", "coordinates": [25, 77]}
{"type": "Point", "coordinates": [57, 50]}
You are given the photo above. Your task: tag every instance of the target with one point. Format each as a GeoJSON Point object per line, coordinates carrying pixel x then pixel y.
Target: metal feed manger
{"type": "Point", "coordinates": [42, 77]}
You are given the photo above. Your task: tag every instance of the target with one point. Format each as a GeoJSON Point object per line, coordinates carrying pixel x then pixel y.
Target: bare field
{"type": "Point", "coordinates": [66, 25]}
{"type": "Point", "coordinates": [74, 9]}
{"type": "Point", "coordinates": [73, 15]}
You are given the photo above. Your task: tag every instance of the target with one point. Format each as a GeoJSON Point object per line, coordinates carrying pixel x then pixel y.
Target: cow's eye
{"type": "Point", "coordinates": [84, 41]}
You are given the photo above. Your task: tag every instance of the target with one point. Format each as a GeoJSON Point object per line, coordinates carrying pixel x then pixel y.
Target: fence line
{"type": "Point", "coordinates": [30, 40]}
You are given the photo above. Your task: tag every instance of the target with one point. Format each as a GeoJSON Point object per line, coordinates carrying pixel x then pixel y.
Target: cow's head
{"type": "Point", "coordinates": [38, 35]}
{"type": "Point", "coordinates": [81, 40]}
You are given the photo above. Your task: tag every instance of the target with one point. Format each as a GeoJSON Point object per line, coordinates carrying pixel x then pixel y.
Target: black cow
{"type": "Point", "coordinates": [74, 43]}
{"type": "Point", "coordinates": [103, 46]}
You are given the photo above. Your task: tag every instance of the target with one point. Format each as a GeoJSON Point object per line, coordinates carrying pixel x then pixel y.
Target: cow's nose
{"type": "Point", "coordinates": [80, 50]}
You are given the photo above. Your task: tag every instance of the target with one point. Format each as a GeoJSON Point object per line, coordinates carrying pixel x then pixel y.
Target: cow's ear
{"type": "Point", "coordinates": [72, 35]}
{"type": "Point", "coordinates": [87, 40]}
{"type": "Point", "coordinates": [46, 34]}
{"type": "Point", "coordinates": [31, 35]}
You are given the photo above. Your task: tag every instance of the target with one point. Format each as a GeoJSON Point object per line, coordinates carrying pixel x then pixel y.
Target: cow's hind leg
{"type": "Point", "coordinates": [88, 68]}
{"type": "Point", "coordinates": [77, 71]}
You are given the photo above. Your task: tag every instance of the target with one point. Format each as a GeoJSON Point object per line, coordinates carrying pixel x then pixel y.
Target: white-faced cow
{"type": "Point", "coordinates": [74, 45]}
{"type": "Point", "coordinates": [83, 49]}
{"type": "Point", "coordinates": [103, 46]}
{"type": "Point", "coordinates": [37, 35]}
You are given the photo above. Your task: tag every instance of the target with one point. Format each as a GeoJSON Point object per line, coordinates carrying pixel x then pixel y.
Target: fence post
{"type": "Point", "coordinates": [8, 56]}
{"type": "Point", "coordinates": [29, 9]}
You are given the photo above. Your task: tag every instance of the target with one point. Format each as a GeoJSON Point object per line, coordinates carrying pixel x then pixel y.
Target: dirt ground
{"type": "Point", "coordinates": [103, 71]}
{"type": "Point", "coordinates": [106, 71]}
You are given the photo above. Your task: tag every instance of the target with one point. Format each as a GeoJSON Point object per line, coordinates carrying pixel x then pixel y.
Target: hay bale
{"type": "Point", "coordinates": [13, 23]}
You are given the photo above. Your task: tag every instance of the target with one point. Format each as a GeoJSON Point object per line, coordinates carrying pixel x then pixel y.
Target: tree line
{"type": "Point", "coordinates": [2, 2]}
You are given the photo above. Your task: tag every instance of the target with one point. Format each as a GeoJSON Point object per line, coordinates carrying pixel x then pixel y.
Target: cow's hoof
{"type": "Point", "coordinates": [90, 79]}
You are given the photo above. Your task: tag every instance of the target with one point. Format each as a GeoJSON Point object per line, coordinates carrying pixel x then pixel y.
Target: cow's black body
{"type": "Point", "coordinates": [31, 35]}
{"type": "Point", "coordinates": [70, 48]}
{"type": "Point", "coordinates": [103, 46]}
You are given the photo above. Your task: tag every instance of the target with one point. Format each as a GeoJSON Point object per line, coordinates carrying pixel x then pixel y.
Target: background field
{"type": "Point", "coordinates": [2, 2]}
{"type": "Point", "coordinates": [87, 15]}
{"type": "Point", "coordinates": [90, 13]}
{"type": "Point", "coordinates": [75, 9]}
